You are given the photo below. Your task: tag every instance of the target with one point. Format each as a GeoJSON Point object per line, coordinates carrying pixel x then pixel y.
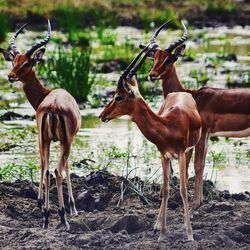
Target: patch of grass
{"type": "Point", "coordinates": [71, 18]}
{"type": "Point", "coordinates": [106, 37]}
{"type": "Point", "coordinates": [200, 76]}
{"type": "Point", "coordinates": [159, 16]}
{"type": "Point", "coordinates": [73, 15]}
{"type": "Point", "coordinates": [81, 39]}
{"type": "Point", "coordinates": [19, 171]}
{"type": "Point", "coordinates": [70, 70]}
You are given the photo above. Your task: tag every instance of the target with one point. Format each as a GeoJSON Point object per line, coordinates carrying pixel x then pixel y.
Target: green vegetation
{"type": "Point", "coordinates": [19, 171]}
{"type": "Point", "coordinates": [71, 15]}
{"type": "Point", "coordinates": [4, 26]}
{"type": "Point", "coordinates": [70, 70]}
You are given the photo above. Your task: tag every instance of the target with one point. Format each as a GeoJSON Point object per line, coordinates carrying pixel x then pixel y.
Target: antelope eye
{"type": "Point", "coordinates": [167, 60]}
{"type": "Point", "coordinates": [27, 64]}
{"type": "Point", "coordinates": [119, 98]}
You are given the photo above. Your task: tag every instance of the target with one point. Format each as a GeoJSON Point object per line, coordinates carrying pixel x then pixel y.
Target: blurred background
{"type": "Point", "coordinates": [92, 42]}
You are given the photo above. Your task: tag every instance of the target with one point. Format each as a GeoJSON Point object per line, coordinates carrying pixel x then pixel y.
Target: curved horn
{"type": "Point", "coordinates": [156, 33]}
{"type": "Point", "coordinates": [39, 44]}
{"type": "Point", "coordinates": [131, 65]}
{"type": "Point", "coordinates": [12, 45]}
{"type": "Point", "coordinates": [184, 37]}
{"type": "Point", "coordinates": [134, 69]}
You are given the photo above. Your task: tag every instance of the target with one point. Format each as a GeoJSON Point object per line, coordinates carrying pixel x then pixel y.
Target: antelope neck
{"type": "Point", "coordinates": [34, 90]}
{"type": "Point", "coordinates": [148, 122]}
{"type": "Point", "coordinates": [171, 83]}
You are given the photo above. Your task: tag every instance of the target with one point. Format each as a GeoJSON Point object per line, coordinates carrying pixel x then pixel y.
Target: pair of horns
{"type": "Point", "coordinates": [131, 70]}
{"type": "Point", "coordinates": [173, 45]}
{"type": "Point", "coordinates": [34, 47]}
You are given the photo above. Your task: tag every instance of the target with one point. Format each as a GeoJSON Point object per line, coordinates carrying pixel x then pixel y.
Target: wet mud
{"type": "Point", "coordinates": [222, 222]}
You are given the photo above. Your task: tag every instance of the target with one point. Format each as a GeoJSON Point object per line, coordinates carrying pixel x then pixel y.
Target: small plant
{"type": "Point", "coordinates": [218, 161]}
{"type": "Point", "coordinates": [106, 37]}
{"type": "Point", "coordinates": [68, 18]}
{"type": "Point", "coordinates": [70, 70]}
{"type": "Point", "coordinates": [200, 76]}
{"type": "Point", "coordinates": [214, 139]}
{"type": "Point", "coordinates": [19, 171]}
{"type": "Point", "coordinates": [248, 154]}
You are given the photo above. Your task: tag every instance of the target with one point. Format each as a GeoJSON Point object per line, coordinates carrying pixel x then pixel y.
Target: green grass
{"type": "Point", "coordinates": [71, 15]}
{"type": "Point", "coordinates": [70, 70]}
{"type": "Point", "coordinates": [27, 170]}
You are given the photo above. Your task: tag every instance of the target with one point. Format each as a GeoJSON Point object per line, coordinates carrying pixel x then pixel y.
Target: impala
{"type": "Point", "coordinates": [223, 112]}
{"type": "Point", "coordinates": [57, 117]}
{"type": "Point", "coordinates": [174, 131]}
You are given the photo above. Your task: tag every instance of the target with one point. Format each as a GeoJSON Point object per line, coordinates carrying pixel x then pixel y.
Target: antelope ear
{"type": "Point", "coordinates": [8, 56]}
{"type": "Point", "coordinates": [128, 88]}
{"type": "Point", "coordinates": [179, 51]}
{"type": "Point", "coordinates": [133, 81]}
{"type": "Point", "coordinates": [151, 54]}
{"type": "Point", "coordinates": [39, 55]}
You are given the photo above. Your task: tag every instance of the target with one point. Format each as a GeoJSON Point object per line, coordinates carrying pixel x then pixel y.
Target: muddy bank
{"type": "Point", "coordinates": [222, 222]}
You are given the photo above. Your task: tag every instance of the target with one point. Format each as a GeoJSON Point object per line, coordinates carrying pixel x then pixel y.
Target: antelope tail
{"type": "Point", "coordinates": [53, 127]}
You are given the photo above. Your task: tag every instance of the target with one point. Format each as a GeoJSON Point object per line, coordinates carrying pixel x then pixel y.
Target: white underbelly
{"type": "Point", "coordinates": [241, 133]}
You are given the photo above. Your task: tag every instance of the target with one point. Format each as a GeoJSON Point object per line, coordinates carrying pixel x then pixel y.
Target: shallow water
{"type": "Point", "coordinates": [95, 140]}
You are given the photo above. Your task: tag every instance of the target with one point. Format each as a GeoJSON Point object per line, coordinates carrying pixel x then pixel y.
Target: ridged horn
{"type": "Point", "coordinates": [156, 33]}
{"type": "Point", "coordinates": [184, 37]}
{"type": "Point", "coordinates": [12, 45]}
{"type": "Point", "coordinates": [131, 65]}
{"type": "Point", "coordinates": [134, 69]}
{"type": "Point", "coordinates": [39, 44]}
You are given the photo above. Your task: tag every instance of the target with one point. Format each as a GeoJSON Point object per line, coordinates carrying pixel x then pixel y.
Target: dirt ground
{"type": "Point", "coordinates": [222, 222]}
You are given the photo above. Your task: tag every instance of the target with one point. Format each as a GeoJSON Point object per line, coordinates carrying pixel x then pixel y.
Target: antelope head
{"type": "Point", "coordinates": [23, 63]}
{"type": "Point", "coordinates": [127, 92]}
{"type": "Point", "coordinates": [164, 59]}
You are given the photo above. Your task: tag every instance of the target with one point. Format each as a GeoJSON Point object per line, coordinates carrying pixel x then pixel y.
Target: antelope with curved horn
{"type": "Point", "coordinates": [57, 116]}
{"type": "Point", "coordinates": [174, 130]}
{"type": "Point", "coordinates": [223, 112]}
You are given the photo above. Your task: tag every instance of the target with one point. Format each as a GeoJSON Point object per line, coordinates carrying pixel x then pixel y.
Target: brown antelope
{"type": "Point", "coordinates": [174, 130]}
{"type": "Point", "coordinates": [223, 112]}
{"type": "Point", "coordinates": [57, 116]}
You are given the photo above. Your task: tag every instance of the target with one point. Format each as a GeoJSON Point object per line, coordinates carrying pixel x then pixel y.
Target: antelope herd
{"type": "Point", "coordinates": [184, 121]}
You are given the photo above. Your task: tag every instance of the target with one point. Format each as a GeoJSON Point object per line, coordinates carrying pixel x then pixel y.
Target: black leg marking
{"type": "Point", "coordinates": [47, 173]}
{"type": "Point", "coordinates": [46, 214]}
{"type": "Point", "coordinates": [40, 203]}
{"type": "Point", "coordinates": [61, 213]}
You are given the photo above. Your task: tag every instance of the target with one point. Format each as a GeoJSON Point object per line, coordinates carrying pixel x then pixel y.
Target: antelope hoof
{"type": "Point", "coordinates": [190, 238]}
{"type": "Point", "coordinates": [67, 226]}
{"type": "Point", "coordinates": [157, 227]}
{"type": "Point", "coordinates": [162, 237]}
{"type": "Point", "coordinates": [73, 210]}
{"type": "Point", "coordinates": [64, 222]}
{"type": "Point", "coordinates": [196, 204]}
{"type": "Point", "coordinates": [46, 214]}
